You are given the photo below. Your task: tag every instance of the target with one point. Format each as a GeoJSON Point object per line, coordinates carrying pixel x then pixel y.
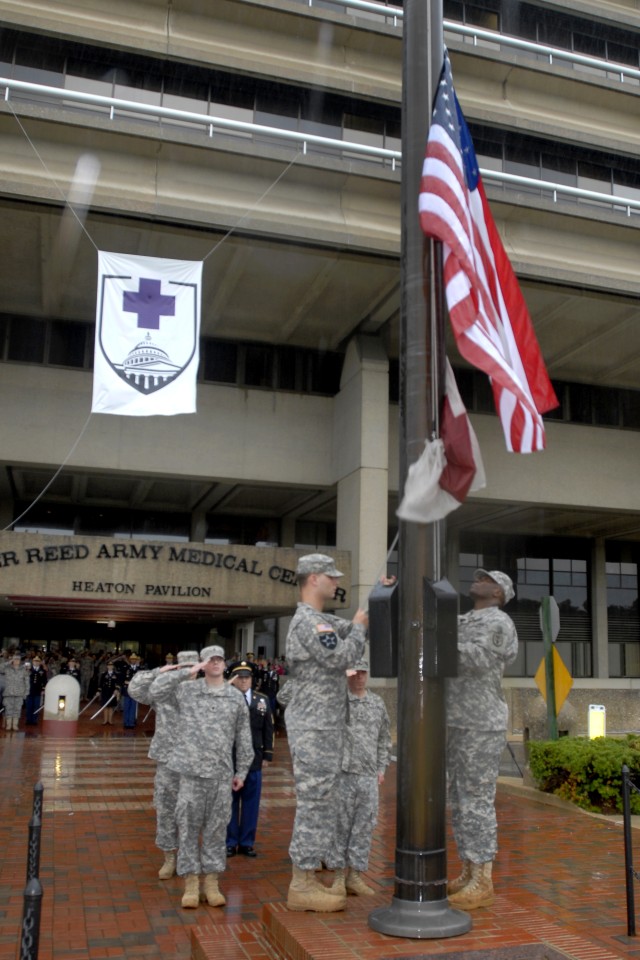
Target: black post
{"type": "Point", "coordinates": [30, 938]}
{"type": "Point", "coordinates": [420, 907]}
{"type": "Point", "coordinates": [35, 831]}
{"type": "Point", "coordinates": [628, 852]}
{"type": "Point", "coordinates": [38, 792]}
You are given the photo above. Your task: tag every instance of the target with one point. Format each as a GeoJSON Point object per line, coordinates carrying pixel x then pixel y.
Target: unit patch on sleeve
{"type": "Point", "coordinates": [326, 636]}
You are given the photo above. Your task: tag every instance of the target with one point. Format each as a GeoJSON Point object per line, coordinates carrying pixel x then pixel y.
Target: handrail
{"type": "Point", "coordinates": [479, 33]}
{"type": "Point", "coordinates": [302, 139]}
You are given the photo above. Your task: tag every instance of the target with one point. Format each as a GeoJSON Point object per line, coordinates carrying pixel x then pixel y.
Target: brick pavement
{"type": "Point", "coordinates": [559, 876]}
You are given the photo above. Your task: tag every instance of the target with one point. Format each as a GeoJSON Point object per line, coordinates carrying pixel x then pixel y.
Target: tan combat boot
{"type": "Point", "coordinates": [212, 892]}
{"type": "Point", "coordinates": [456, 885]}
{"type": "Point", "coordinates": [168, 868]}
{"type": "Point", "coordinates": [338, 888]}
{"type": "Point", "coordinates": [304, 894]}
{"type": "Point", "coordinates": [191, 895]}
{"type": "Point", "coordinates": [356, 885]}
{"type": "Point", "coordinates": [16, 722]}
{"type": "Point", "coordinates": [478, 892]}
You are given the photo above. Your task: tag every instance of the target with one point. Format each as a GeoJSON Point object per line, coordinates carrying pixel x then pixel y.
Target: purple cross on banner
{"type": "Point", "coordinates": [149, 304]}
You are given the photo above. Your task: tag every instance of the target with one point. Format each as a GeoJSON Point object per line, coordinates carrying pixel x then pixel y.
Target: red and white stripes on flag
{"type": "Point", "coordinates": [448, 469]}
{"type": "Point", "coordinates": [488, 313]}
{"type": "Point", "coordinates": [147, 335]}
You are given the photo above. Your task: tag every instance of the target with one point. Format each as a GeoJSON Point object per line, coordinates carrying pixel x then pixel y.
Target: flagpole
{"type": "Point", "coordinates": [419, 908]}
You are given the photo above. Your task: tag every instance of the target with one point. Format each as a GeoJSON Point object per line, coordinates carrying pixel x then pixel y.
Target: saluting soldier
{"type": "Point", "coordinates": [166, 782]}
{"type": "Point", "coordinates": [214, 719]}
{"type": "Point", "coordinates": [16, 688]}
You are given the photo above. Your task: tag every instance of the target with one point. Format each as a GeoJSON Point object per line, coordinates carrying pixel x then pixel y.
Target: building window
{"type": "Point", "coordinates": [67, 344]}
{"type": "Point", "coordinates": [623, 615]}
{"type": "Point", "coordinates": [26, 340]}
{"type": "Point", "coordinates": [539, 568]}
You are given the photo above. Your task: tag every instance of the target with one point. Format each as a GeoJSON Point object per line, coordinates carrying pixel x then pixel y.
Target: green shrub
{"type": "Point", "coordinates": [587, 772]}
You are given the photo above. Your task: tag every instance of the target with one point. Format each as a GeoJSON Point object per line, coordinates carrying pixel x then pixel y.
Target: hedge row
{"type": "Point", "coordinates": [587, 772]}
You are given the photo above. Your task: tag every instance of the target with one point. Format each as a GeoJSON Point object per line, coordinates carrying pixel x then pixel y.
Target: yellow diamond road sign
{"type": "Point", "coordinates": [563, 680]}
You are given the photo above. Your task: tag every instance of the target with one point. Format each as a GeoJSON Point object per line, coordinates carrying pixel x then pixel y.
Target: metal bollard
{"type": "Point", "coordinates": [38, 792]}
{"type": "Point", "coordinates": [628, 851]}
{"type": "Point", "coordinates": [35, 830]}
{"type": "Point", "coordinates": [31, 920]}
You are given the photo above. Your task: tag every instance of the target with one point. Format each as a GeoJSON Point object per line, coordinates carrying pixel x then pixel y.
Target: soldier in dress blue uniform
{"type": "Point", "coordinates": [241, 832]}
{"type": "Point", "coordinates": [130, 706]}
{"type": "Point", "coordinates": [109, 685]}
{"type": "Point", "coordinates": [37, 683]}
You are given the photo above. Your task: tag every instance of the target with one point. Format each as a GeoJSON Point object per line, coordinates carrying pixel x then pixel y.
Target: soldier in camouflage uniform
{"type": "Point", "coordinates": [213, 719]}
{"type": "Point", "coordinates": [366, 756]}
{"type": "Point", "coordinates": [476, 734]}
{"type": "Point", "coordinates": [16, 688]}
{"type": "Point", "coordinates": [320, 648]}
{"type": "Point", "coordinates": [166, 782]}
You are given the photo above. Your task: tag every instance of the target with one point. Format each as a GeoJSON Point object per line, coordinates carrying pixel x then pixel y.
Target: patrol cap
{"type": "Point", "coordinates": [242, 669]}
{"type": "Point", "coordinates": [317, 563]}
{"type": "Point", "coordinates": [503, 581]}
{"type": "Point", "coordinates": [362, 665]}
{"type": "Point", "coordinates": [208, 652]}
{"type": "Point", "coordinates": [188, 656]}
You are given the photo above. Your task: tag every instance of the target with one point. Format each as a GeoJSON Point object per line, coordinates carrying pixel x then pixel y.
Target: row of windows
{"type": "Point", "coordinates": [70, 519]}
{"type": "Point", "coordinates": [64, 343]}
{"type": "Point", "coordinates": [547, 26]}
{"type": "Point", "coordinates": [578, 402]}
{"type": "Point", "coordinates": [269, 103]}
{"type": "Point", "coordinates": [180, 86]}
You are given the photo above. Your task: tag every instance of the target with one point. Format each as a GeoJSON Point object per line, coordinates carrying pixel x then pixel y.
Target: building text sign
{"type": "Point", "coordinates": [51, 566]}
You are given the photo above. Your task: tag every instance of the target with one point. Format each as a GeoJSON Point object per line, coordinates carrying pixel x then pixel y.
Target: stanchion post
{"type": "Point", "coordinates": [30, 938]}
{"type": "Point", "coordinates": [628, 851]}
{"type": "Point", "coordinates": [35, 831]}
{"type": "Point", "coordinates": [38, 792]}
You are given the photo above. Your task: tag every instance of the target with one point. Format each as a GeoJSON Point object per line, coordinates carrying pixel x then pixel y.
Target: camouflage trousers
{"type": "Point", "coordinates": [357, 818]}
{"type": "Point", "coordinates": [12, 706]}
{"type": "Point", "coordinates": [316, 770]}
{"type": "Point", "coordinates": [203, 810]}
{"type": "Point", "coordinates": [165, 798]}
{"type": "Point", "coordinates": [473, 763]}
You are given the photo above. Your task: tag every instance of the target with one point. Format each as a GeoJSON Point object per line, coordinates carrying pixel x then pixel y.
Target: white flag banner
{"type": "Point", "coordinates": [147, 335]}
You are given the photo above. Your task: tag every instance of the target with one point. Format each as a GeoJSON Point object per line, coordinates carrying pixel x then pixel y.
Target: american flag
{"type": "Point", "coordinates": [488, 313]}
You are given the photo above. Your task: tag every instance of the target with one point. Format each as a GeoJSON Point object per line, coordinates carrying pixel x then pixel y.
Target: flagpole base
{"type": "Point", "coordinates": [420, 921]}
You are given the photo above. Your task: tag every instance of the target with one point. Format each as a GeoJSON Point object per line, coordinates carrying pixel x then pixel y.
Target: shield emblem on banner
{"type": "Point", "coordinates": [147, 328]}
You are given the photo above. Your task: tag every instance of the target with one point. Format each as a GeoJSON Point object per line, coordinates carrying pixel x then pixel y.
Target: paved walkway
{"type": "Point", "coordinates": [559, 877]}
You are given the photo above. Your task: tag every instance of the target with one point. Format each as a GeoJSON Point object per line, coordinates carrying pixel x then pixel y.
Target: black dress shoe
{"type": "Point", "coordinates": [231, 851]}
{"type": "Point", "coordinates": [247, 851]}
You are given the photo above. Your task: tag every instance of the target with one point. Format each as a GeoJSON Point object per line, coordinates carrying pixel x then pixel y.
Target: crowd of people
{"type": "Point", "coordinates": [214, 734]}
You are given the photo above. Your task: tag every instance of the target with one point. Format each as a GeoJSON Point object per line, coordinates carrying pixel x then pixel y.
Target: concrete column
{"type": "Point", "coordinates": [361, 461]}
{"type": "Point", "coordinates": [287, 532]}
{"type": "Point", "coordinates": [599, 622]}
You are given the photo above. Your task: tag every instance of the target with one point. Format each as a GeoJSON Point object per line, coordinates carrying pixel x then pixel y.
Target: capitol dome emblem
{"type": "Point", "coordinates": [143, 362]}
